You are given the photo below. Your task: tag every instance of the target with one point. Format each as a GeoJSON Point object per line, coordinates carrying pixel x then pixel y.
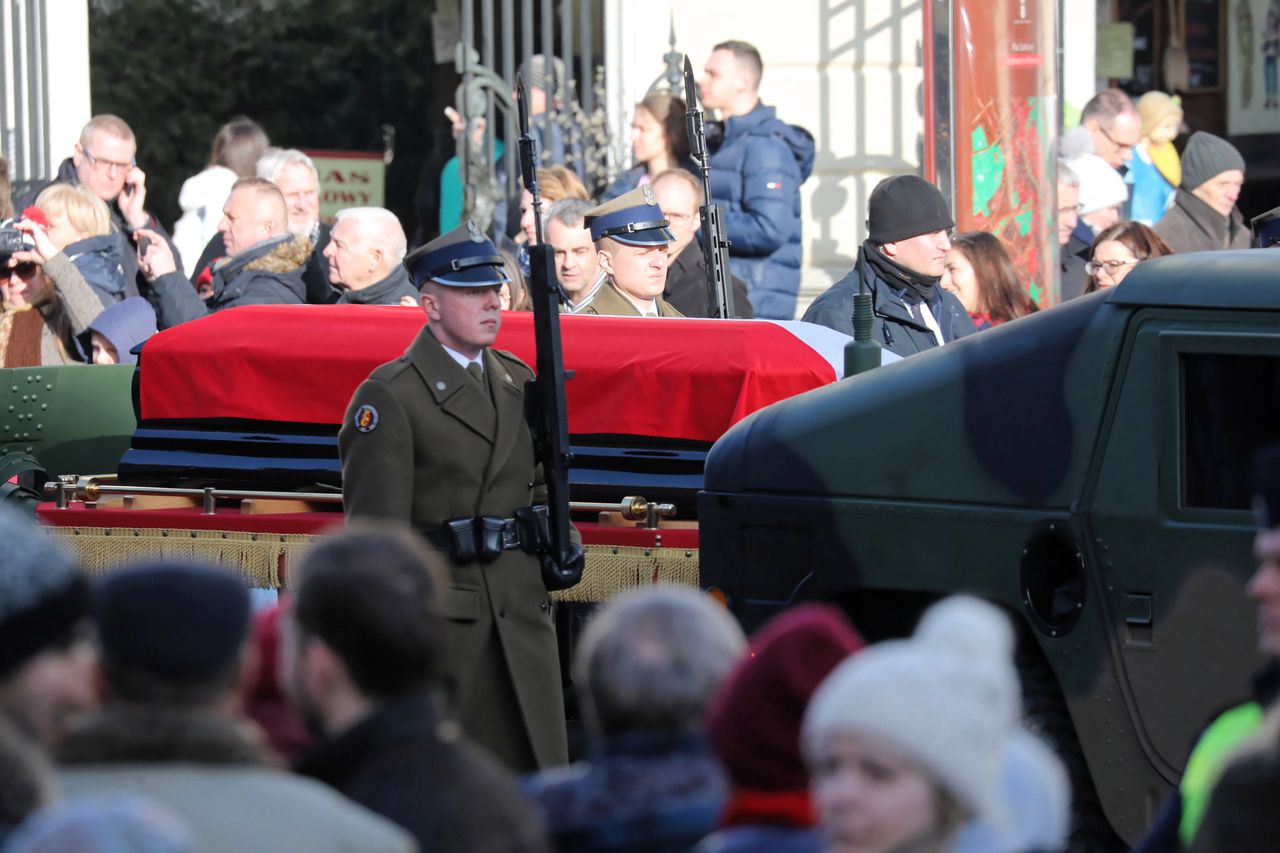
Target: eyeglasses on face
{"type": "Point", "coordinates": [107, 165]}
{"type": "Point", "coordinates": [1121, 146]}
{"type": "Point", "coordinates": [1112, 267]}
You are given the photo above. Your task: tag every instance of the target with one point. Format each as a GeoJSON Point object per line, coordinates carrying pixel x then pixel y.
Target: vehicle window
{"type": "Point", "coordinates": [1230, 409]}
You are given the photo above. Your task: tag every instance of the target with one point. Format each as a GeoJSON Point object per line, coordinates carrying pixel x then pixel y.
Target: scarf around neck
{"type": "Point", "coordinates": [916, 287]}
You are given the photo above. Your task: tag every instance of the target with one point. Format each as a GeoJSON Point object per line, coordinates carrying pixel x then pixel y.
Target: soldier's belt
{"type": "Point", "coordinates": [483, 538]}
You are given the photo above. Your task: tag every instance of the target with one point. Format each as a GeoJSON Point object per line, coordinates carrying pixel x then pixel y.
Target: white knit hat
{"type": "Point", "coordinates": [947, 698]}
{"type": "Point", "coordinates": [1100, 185]}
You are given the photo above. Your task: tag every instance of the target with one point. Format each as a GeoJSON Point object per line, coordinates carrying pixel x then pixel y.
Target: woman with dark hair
{"type": "Point", "coordinates": [659, 141]}
{"type": "Point", "coordinates": [1118, 249]}
{"type": "Point", "coordinates": [981, 275]}
{"type": "Point", "coordinates": [236, 148]}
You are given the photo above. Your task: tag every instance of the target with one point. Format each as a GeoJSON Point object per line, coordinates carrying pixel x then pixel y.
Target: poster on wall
{"type": "Point", "coordinates": [1253, 63]}
{"type": "Point", "coordinates": [1005, 109]}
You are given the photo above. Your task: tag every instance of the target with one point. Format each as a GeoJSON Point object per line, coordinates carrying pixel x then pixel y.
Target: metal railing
{"type": "Point", "coordinates": [91, 489]}
{"type": "Point", "coordinates": [24, 95]}
{"type": "Point", "coordinates": [487, 62]}
{"type": "Point", "coordinates": [486, 58]}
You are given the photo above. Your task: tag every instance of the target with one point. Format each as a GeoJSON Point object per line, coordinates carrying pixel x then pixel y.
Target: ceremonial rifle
{"type": "Point", "coordinates": [561, 558]}
{"type": "Point", "coordinates": [715, 248]}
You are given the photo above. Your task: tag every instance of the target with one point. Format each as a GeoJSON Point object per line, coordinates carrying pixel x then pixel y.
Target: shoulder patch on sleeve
{"type": "Point", "coordinates": [366, 418]}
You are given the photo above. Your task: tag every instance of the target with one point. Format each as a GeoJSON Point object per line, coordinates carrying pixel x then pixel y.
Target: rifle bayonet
{"type": "Point", "coordinates": [715, 248]}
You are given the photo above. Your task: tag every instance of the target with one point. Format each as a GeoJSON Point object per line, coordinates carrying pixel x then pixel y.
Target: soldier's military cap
{"type": "Point", "coordinates": [462, 258]}
{"type": "Point", "coordinates": [1266, 228]}
{"type": "Point", "coordinates": [633, 218]}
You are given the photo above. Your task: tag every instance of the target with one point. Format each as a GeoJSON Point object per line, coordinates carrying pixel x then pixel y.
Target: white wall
{"type": "Point", "coordinates": [55, 99]}
{"type": "Point", "coordinates": [1079, 54]}
{"type": "Point", "coordinates": [849, 72]}
{"type": "Point", "coordinates": [69, 110]}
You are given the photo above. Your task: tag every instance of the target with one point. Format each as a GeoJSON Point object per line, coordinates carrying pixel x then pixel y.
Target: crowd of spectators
{"type": "Point", "coordinates": [251, 232]}
{"type": "Point", "coordinates": [133, 713]}
{"type": "Point", "coordinates": [150, 708]}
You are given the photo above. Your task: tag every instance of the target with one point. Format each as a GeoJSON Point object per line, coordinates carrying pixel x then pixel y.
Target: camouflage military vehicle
{"type": "Point", "coordinates": [61, 419]}
{"type": "Point", "coordinates": [1085, 467]}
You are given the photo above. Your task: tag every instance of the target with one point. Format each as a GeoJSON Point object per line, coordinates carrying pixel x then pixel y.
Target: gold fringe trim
{"type": "Point", "coordinates": [259, 558]}
{"type": "Point", "coordinates": [612, 569]}
{"type": "Point", "coordinates": [262, 558]}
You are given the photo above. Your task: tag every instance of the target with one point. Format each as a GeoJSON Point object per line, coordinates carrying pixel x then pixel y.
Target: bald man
{"type": "Point", "coordinates": [263, 266]}
{"type": "Point", "coordinates": [366, 258]}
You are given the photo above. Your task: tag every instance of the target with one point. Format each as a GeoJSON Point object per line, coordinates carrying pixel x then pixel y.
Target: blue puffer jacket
{"type": "Point", "coordinates": [756, 175]}
{"type": "Point", "coordinates": [99, 260]}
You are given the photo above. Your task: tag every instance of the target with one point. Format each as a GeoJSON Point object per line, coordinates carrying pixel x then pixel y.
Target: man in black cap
{"type": "Point", "coordinates": [631, 237]}
{"type": "Point", "coordinates": [438, 440]}
{"type": "Point", "coordinates": [908, 237]}
{"type": "Point", "coordinates": [173, 650]}
{"type": "Point", "coordinates": [46, 658]}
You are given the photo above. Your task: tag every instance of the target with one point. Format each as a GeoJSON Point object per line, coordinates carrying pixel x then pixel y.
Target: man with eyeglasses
{"type": "Point", "coordinates": [1114, 126]}
{"type": "Point", "coordinates": [103, 162]}
{"type": "Point", "coordinates": [679, 195]}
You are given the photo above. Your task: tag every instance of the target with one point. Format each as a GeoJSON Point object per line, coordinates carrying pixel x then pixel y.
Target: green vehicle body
{"type": "Point", "coordinates": [1085, 467]}
{"type": "Point", "coordinates": [74, 418]}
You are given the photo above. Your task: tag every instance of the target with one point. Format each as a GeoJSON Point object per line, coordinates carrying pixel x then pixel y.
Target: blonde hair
{"type": "Point", "coordinates": [559, 182]}
{"type": "Point", "coordinates": [84, 211]}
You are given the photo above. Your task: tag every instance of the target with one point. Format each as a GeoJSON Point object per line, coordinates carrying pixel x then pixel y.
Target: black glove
{"type": "Point", "coordinates": [562, 575]}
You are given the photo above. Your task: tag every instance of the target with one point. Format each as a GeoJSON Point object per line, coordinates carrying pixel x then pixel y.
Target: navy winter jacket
{"type": "Point", "coordinates": [100, 261]}
{"type": "Point", "coordinates": [756, 175]}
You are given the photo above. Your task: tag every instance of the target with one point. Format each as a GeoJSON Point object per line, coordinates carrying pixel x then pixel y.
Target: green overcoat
{"type": "Point", "coordinates": [420, 443]}
{"type": "Point", "coordinates": [608, 300]}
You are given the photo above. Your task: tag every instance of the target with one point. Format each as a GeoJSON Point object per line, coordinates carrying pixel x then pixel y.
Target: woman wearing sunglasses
{"type": "Point", "coordinates": [1117, 250]}
{"type": "Point", "coordinates": [47, 303]}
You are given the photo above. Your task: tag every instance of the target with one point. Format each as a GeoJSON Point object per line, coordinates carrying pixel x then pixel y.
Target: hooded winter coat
{"type": "Point", "coordinates": [125, 325]}
{"type": "Point", "coordinates": [101, 262]}
{"type": "Point", "coordinates": [756, 175]}
{"type": "Point", "coordinates": [269, 273]}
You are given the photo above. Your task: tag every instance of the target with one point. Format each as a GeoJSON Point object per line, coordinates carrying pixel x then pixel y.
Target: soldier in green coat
{"type": "Point", "coordinates": [631, 238]}
{"type": "Point", "coordinates": [438, 439]}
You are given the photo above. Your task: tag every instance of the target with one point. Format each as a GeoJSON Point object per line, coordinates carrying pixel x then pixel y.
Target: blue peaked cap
{"type": "Point", "coordinates": [633, 218]}
{"type": "Point", "coordinates": [462, 258]}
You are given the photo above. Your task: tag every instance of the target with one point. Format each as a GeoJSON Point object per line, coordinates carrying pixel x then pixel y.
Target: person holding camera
{"type": "Point", "coordinates": [47, 302]}
{"type": "Point", "coordinates": [104, 161]}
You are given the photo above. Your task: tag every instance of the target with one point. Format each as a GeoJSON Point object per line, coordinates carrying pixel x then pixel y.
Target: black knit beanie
{"type": "Point", "coordinates": [906, 206]}
{"type": "Point", "coordinates": [179, 621]}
